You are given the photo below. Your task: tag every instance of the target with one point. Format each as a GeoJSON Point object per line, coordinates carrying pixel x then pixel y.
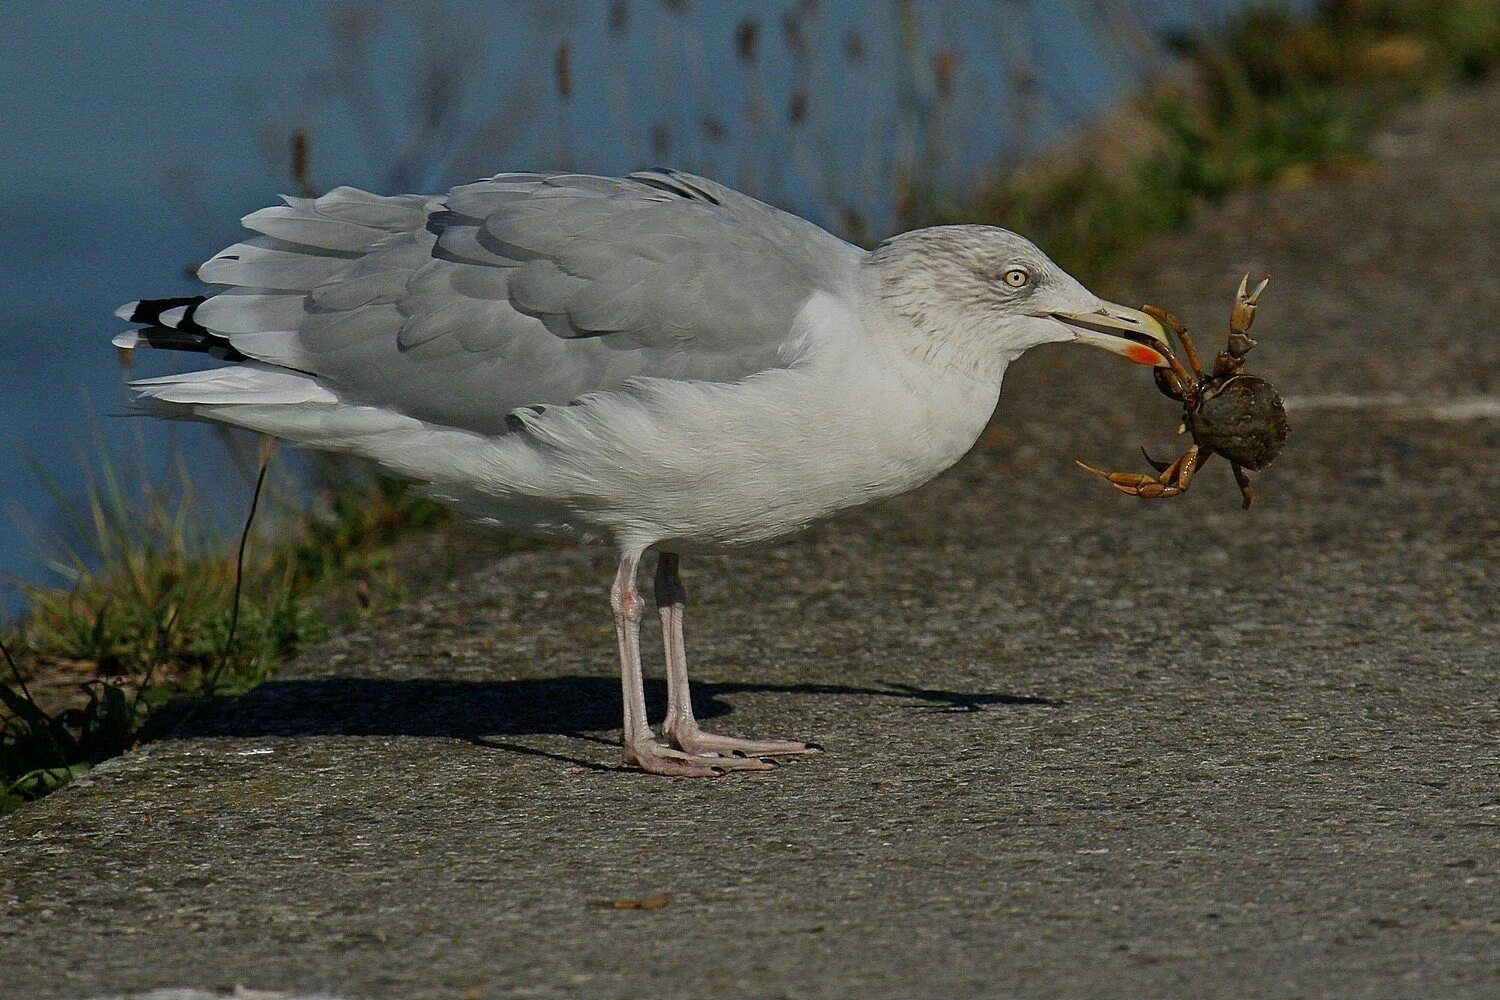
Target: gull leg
{"type": "Point", "coordinates": [682, 727]}
{"type": "Point", "coordinates": [641, 747]}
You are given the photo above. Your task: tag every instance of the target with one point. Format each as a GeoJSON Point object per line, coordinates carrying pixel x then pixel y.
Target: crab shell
{"type": "Point", "coordinates": [1242, 418]}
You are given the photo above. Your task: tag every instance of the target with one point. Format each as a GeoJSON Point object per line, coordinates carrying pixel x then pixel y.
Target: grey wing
{"type": "Point", "coordinates": [521, 290]}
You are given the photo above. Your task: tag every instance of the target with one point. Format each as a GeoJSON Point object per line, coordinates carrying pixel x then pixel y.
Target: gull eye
{"type": "Point", "coordinates": [1017, 277]}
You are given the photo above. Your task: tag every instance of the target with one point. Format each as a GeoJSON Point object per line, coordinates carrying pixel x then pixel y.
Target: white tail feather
{"type": "Point", "coordinates": [243, 384]}
{"type": "Point", "coordinates": [296, 408]}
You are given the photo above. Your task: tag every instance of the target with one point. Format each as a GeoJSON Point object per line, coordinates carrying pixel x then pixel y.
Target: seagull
{"type": "Point", "coordinates": [656, 362]}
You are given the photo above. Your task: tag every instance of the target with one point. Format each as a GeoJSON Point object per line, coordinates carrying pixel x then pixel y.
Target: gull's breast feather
{"type": "Point", "coordinates": [703, 465]}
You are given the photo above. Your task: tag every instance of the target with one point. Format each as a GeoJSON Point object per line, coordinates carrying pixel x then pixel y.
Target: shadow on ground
{"type": "Point", "coordinates": [564, 706]}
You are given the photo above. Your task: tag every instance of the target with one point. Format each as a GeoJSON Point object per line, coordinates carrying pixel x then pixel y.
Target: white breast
{"type": "Point", "coordinates": [709, 465]}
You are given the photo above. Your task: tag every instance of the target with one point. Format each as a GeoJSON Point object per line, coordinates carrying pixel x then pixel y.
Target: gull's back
{"type": "Point", "coordinates": [520, 291]}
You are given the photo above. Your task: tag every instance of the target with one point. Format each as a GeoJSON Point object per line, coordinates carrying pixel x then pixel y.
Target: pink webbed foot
{"type": "Point", "coordinates": [673, 762]}
{"type": "Point", "coordinates": [693, 740]}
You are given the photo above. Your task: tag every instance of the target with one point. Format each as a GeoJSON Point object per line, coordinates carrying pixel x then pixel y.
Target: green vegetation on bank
{"type": "Point", "coordinates": [149, 631]}
{"type": "Point", "coordinates": [1275, 100]}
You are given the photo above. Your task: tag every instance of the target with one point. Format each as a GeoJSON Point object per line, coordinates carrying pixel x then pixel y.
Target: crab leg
{"type": "Point", "coordinates": [1159, 466]}
{"type": "Point", "coordinates": [1172, 480]}
{"type": "Point", "coordinates": [1244, 481]}
{"type": "Point", "coordinates": [1134, 483]}
{"type": "Point", "coordinates": [1182, 381]}
{"type": "Point", "coordinates": [1190, 469]}
{"type": "Point", "coordinates": [1176, 325]}
{"type": "Point", "coordinates": [1170, 385]}
{"type": "Point", "coordinates": [1180, 473]}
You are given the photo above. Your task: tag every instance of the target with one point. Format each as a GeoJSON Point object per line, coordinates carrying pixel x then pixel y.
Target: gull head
{"type": "Point", "coordinates": [979, 288]}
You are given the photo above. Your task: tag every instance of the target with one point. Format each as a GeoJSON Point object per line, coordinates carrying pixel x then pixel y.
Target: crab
{"type": "Point", "coordinates": [1228, 412]}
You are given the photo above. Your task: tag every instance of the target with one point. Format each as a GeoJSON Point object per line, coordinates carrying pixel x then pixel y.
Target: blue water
{"type": "Point", "coordinates": [135, 135]}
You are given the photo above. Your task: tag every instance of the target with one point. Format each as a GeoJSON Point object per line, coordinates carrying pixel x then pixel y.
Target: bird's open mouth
{"type": "Point", "coordinates": [1120, 329]}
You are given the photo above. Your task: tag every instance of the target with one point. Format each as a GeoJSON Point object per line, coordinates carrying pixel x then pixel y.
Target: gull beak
{"type": "Point", "coordinates": [1125, 331]}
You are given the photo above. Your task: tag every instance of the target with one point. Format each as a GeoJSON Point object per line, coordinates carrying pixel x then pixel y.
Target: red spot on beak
{"type": "Point", "coordinates": [1144, 355]}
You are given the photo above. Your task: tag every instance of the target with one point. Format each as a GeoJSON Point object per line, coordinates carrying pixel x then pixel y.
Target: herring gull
{"type": "Point", "coordinates": [654, 362]}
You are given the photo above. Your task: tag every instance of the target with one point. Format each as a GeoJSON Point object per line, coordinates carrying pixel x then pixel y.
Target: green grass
{"type": "Point", "coordinates": [150, 630]}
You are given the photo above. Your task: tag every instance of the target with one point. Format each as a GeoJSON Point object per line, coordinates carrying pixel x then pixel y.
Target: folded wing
{"type": "Point", "coordinates": [523, 290]}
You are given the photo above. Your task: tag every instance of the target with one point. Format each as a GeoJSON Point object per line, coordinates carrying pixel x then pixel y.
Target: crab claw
{"type": "Point", "coordinates": [1243, 313]}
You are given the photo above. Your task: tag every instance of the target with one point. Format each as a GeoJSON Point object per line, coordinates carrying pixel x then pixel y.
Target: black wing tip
{"type": "Point", "coordinates": [168, 325]}
{"type": "Point", "coordinates": [149, 311]}
{"type": "Point", "coordinates": [163, 338]}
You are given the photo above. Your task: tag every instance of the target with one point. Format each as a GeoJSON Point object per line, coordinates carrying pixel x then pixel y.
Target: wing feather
{"type": "Point", "coordinates": [360, 208]}
{"type": "Point", "coordinates": [361, 290]}
{"type": "Point", "coordinates": [521, 290]}
{"type": "Point", "coordinates": [251, 310]}
{"type": "Point", "coordinates": [295, 225]}
{"type": "Point", "coordinates": [264, 262]}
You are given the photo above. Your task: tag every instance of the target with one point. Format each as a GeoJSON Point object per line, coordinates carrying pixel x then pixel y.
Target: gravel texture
{"type": "Point", "coordinates": [1078, 744]}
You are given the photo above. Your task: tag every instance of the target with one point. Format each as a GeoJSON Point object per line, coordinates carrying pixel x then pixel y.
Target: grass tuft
{"type": "Point", "coordinates": [1274, 100]}
{"type": "Point", "coordinates": [164, 617]}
